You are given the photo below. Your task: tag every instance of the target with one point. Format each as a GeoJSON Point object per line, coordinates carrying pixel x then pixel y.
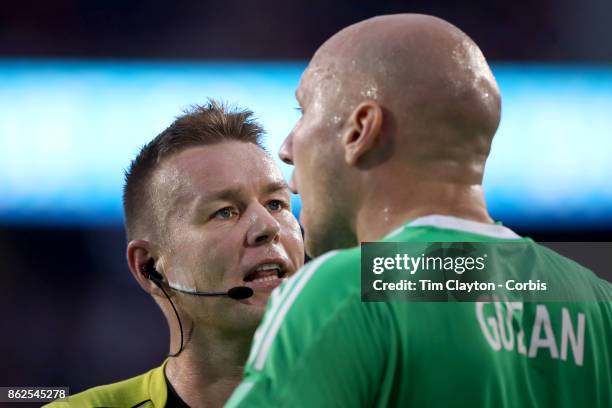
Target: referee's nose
{"type": "Point", "coordinates": [264, 227]}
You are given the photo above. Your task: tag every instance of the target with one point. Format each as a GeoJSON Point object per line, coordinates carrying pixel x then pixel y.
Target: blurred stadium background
{"type": "Point", "coordinates": [84, 84]}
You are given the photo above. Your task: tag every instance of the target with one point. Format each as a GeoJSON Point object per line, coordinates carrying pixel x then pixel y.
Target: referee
{"type": "Point", "coordinates": [210, 234]}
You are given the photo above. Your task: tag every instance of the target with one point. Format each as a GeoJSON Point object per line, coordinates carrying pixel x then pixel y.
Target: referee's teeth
{"type": "Point", "coordinates": [266, 278]}
{"type": "Point", "coordinates": [267, 267]}
{"type": "Point", "coordinates": [264, 273]}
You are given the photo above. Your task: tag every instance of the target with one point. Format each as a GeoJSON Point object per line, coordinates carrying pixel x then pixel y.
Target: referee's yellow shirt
{"type": "Point", "coordinates": [144, 391]}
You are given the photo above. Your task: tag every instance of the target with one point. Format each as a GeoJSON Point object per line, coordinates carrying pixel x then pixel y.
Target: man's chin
{"type": "Point", "coordinates": [312, 247]}
{"type": "Point", "coordinates": [314, 236]}
{"type": "Point", "coordinates": [316, 247]}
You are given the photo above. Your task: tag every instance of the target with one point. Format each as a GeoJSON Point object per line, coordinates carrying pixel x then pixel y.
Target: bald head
{"type": "Point", "coordinates": [398, 117]}
{"type": "Point", "coordinates": [427, 75]}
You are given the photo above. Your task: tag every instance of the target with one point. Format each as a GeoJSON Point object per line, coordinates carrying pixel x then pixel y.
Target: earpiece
{"type": "Point", "coordinates": [149, 271]}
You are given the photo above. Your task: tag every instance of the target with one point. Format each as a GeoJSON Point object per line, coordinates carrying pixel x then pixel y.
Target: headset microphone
{"type": "Point", "coordinates": [236, 293]}
{"type": "Point", "coordinates": [149, 272]}
{"type": "Point", "coordinates": [240, 292]}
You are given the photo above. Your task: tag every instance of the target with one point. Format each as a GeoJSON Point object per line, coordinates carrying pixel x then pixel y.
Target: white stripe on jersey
{"type": "Point", "coordinates": [274, 301]}
{"type": "Point", "coordinates": [239, 393]}
{"type": "Point", "coordinates": [260, 361]}
{"type": "Point", "coordinates": [277, 298]}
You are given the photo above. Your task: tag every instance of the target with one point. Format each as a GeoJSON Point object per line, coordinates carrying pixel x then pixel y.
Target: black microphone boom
{"type": "Point", "coordinates": [148, 270]}
{"type": "Point", "coordinates": [240, 292]}
{"type": "Point", "coordinates": [236, 293]}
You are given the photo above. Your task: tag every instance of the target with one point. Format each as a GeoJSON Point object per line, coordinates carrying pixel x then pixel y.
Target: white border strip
{"type": "Point", "coordinates": [460, 224]}
{"type": "Point", "coordinates": [239, 393]}
{"type": "Point", "coordinates": [274, 301]}
{"type": "Point", "coordinates": [260, 360]}
{"type": "Point", "coordinates": [277, 298]}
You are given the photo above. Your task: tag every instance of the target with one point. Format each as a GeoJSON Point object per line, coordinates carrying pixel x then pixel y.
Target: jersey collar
{"type": "Point", "coordinates": [459, 224]}
{"type": "Point", "coordinates": [158, 390]}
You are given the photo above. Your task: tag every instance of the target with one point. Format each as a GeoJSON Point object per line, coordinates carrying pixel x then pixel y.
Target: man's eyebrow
{"type": "Point", "coordinates": [276, 186]}
{"type": "Point", "coordinates": [230, 194]}
{"type": "Point", "coordinates": [227, 194]}
{"type": "Point", "coordinates": [222, 194]}
{"type": "Point", "coordinates": [236, 193]}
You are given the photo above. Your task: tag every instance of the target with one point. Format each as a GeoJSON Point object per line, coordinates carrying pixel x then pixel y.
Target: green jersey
{"type": "Point", "coordinates": [319, 345]}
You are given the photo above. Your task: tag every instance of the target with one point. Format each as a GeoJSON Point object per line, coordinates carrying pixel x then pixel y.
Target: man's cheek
{"type": "Point", "coordinates": [215, 263]}
{"type": "Point", "coordinates": [295, 237]}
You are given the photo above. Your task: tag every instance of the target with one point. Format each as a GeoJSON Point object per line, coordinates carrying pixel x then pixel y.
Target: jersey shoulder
{"type": "Point", "coordinates": [146, 390]}
{"type": "Point", "coordinates": [338, 272]}
{"type": "Point", "coordinates": [335, 274]}
{"type": "Point", "coordinates": [573, 275]}
{"type": "Point", "coordinates": [324, 285]}
{"type": "Point", "coordinates": [334, 278]}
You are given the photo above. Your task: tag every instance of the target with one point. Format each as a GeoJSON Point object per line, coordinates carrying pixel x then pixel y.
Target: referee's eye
{"type": "Point", "coordinates": [225, 213]}
{"type": "Point", "coordinates": [275, 205]}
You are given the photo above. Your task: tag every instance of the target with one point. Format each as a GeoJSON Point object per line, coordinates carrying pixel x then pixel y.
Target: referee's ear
{"type": "Point", "coordinates": [138, 255]}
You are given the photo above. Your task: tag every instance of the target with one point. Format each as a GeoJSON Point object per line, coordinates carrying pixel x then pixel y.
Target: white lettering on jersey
{"type": "Point", "coordinates": [576, 339]}
{"type": "Point", "coordinates": [501, 324]}
{"type": "Point", "coordinates": [542, 320]}
{"type": "Point", "coordinates": [492, 336]}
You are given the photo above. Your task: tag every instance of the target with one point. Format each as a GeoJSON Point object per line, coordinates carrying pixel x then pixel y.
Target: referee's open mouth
{"type": "Point", "coordinates": [267, 274]}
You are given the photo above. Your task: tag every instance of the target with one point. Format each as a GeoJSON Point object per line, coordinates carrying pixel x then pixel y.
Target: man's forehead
{"type": "Point", "coordinates": [231, 156]}
{"type": "Point", "coordinates": [239, 166]}
{"type": "Point", "coordinates": [313, 74]}
{"type": "Point", "coordinates": [238, 188]}
{"type": "Point", "coordinates": [254, 179]}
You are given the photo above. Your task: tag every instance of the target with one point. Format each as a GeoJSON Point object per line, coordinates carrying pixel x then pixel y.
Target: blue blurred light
{"type": "Point", "coordinates": [68, 129]}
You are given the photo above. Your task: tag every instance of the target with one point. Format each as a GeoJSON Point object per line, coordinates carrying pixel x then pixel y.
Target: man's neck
{"type": "Point", "coordinates": [209, 368]}
{"type": "Point", "coordinates": [382, 213]}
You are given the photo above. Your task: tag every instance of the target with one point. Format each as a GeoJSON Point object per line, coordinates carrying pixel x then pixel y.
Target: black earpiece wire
{"type": "Point", "coordinates": [156, 278]}
{"type": "Point", "coordinates": [177, 318]}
